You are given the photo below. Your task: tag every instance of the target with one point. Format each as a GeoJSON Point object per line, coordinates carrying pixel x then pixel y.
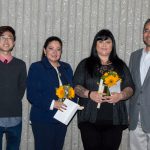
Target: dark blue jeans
{"type": "Point", "coordinates": [13, 136]}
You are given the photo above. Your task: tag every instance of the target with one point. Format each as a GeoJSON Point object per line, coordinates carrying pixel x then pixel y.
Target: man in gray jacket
{"type": "Point", "coordinates": [139, 104]}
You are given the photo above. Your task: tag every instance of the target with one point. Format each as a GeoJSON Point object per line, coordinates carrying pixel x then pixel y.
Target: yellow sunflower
{"type": "Point", "coordinates": [60, 92]}
{"type": "Point", "coordinates": [110, 80]}
{"type": "Point", "coordinates": [105, 74]}
{"type": "Point", "coordinates": [71, 93]}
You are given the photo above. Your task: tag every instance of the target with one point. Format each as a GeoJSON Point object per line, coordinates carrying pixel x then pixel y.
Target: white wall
{"type": "Point", "coordinates": [76, 22]}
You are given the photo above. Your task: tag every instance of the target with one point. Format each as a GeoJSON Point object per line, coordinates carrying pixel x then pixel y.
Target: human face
{"type": "Point", "coordinates": [53, 52]}
{"type": "Point", "coordinates": [146, 35]}
{"type": "Point", "coordinates": [104, 48]}
{"type": "Point", "coordinates": [6, 42]}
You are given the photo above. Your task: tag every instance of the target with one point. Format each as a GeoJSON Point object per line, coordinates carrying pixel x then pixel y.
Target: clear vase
{"type": "Point", "coordinates": [106, 90]}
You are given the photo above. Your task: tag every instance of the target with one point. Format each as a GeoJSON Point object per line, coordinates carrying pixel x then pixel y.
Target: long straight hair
{"type": "Point", "coordinates": [94, 61]}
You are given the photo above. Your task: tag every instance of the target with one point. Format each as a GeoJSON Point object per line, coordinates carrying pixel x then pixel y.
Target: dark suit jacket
{"type": "Point", "coordinates": [42, 82]}
{"type": "Point", "coordinates": [140, 101]}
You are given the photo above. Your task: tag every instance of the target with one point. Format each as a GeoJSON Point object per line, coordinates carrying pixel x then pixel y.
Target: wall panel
{"type": "Point", "coordinates": [76, 22]}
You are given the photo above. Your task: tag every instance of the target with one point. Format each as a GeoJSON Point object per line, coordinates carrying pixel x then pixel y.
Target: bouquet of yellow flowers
{"type": "Point", "coordinates": [108, 81]}
{"type": "Point", "coordinates": [65, 91]}
{"type": "Point", "coordinates": [110, 78]}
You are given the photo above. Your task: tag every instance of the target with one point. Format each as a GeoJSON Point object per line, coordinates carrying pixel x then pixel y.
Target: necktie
{"type": "Point", "coordinates": [5, 61]}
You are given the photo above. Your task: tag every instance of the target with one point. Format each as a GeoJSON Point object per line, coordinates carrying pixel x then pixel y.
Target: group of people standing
{"type": "Point", "coordinates": [101, 127]}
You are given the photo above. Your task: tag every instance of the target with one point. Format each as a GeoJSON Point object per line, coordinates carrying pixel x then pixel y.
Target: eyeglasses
{"type": "Point", "coordinates": [146, 31]}
{"type": "Point", "coordinates": [4, 38]}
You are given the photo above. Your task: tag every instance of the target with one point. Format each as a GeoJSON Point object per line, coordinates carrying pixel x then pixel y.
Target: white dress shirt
{"type": "Point", "coordinates": [144, 64]}
{"type": "Point", "coordinates": [60, 84]}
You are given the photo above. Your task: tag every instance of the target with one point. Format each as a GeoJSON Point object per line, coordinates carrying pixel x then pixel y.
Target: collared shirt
{"type": "Point", "coordinates": [58, 74]}
{"type": "Point", "coordinates": [9, 121]}
{"type": "Point", "coordinates": [7, 57]}
{"type": "Point", "coordinates": [144, 64]}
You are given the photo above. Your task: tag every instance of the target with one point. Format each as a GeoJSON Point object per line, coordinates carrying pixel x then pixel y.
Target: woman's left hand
{"type": "Point", "coordinates": [60, 105]}
{"type": "Point", "coordinates": [114, 98]}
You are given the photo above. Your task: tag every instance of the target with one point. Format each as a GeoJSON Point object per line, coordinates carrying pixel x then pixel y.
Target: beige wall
{"type": "Point", "coordinates": [76, 22]}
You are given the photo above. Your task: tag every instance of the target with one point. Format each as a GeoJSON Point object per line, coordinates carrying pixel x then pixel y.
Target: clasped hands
{"type": "Point", "coordinates": [101, 97]}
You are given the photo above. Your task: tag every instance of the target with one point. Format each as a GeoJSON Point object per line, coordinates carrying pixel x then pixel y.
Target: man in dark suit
{"type": "Point", "coordinates": [139, 104]}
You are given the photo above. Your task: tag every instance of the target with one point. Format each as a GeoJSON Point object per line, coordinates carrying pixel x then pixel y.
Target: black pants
{"type": "Point", "coordinates": [48, 136]}
{"type": "Point", "coordinates": [97, 137]}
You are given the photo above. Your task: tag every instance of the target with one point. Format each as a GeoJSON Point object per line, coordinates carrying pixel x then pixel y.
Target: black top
{"type": "Point", "coordinates": [109, 113]}
{"type": "Point", "coordinates": [12, 87]}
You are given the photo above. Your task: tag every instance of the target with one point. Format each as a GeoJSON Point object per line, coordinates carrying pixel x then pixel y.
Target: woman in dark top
{"type": "Point", "coordinates": [43, 78]}
{"type": "Point", "coordinates": [101, 128]}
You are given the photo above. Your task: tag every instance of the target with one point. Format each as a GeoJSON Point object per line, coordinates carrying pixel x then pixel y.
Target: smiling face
{"type": "Point", "coordinates": [146, 35]}
{"type": "Point", "coordinates": [6, 42]}
{"type": "Point", "coordinates": [104, 47]}
{"type": "Point", "coordinates": [53, 52]}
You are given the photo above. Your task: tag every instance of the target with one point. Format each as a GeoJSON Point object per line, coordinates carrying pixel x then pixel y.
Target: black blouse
{"type": "Point", "coordinates": [108, 113]}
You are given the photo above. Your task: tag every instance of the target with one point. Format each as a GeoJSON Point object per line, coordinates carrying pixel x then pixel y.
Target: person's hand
{"type": "Point", "coordinates": [80, 107]}
{"type": "Point", "coordinates": [114, 98]}
{"type": "Point", "coordinates": [60, 105]}
{"type": "Point", "coordinates": [97, 97]}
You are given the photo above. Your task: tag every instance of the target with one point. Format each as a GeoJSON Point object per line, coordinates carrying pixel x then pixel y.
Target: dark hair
{"type": "Point", "coordinates": [146, 22]}
{"type": "Point", "coordinates": [94, 60]}
{"type": "Point", "coordinates": [50, 39]}
{"type": "Point", "coordinates": [8, 28]}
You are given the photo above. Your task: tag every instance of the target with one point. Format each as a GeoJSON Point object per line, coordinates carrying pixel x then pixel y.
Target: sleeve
{"type": "Point", "coordinates": [130, 68]}
{"type": "Point", "coordinates": [36, 94]}
{"type": "Point", "coordinates": [127, 79]}
{"type": "Point", "coordinates": [70, 73]}
{"type": "Point", "coordinates": [52, 105]}
{"type": "Point", "coordinates": [79, 75]}
{"type": "Point", "coordinates": [22, 81]}
{"type": "Point", "coordinates": [131, 63]}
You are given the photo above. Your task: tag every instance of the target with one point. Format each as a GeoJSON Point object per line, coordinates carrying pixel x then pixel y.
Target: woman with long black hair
{"type": "Point", "coordinates": [101, 127]}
